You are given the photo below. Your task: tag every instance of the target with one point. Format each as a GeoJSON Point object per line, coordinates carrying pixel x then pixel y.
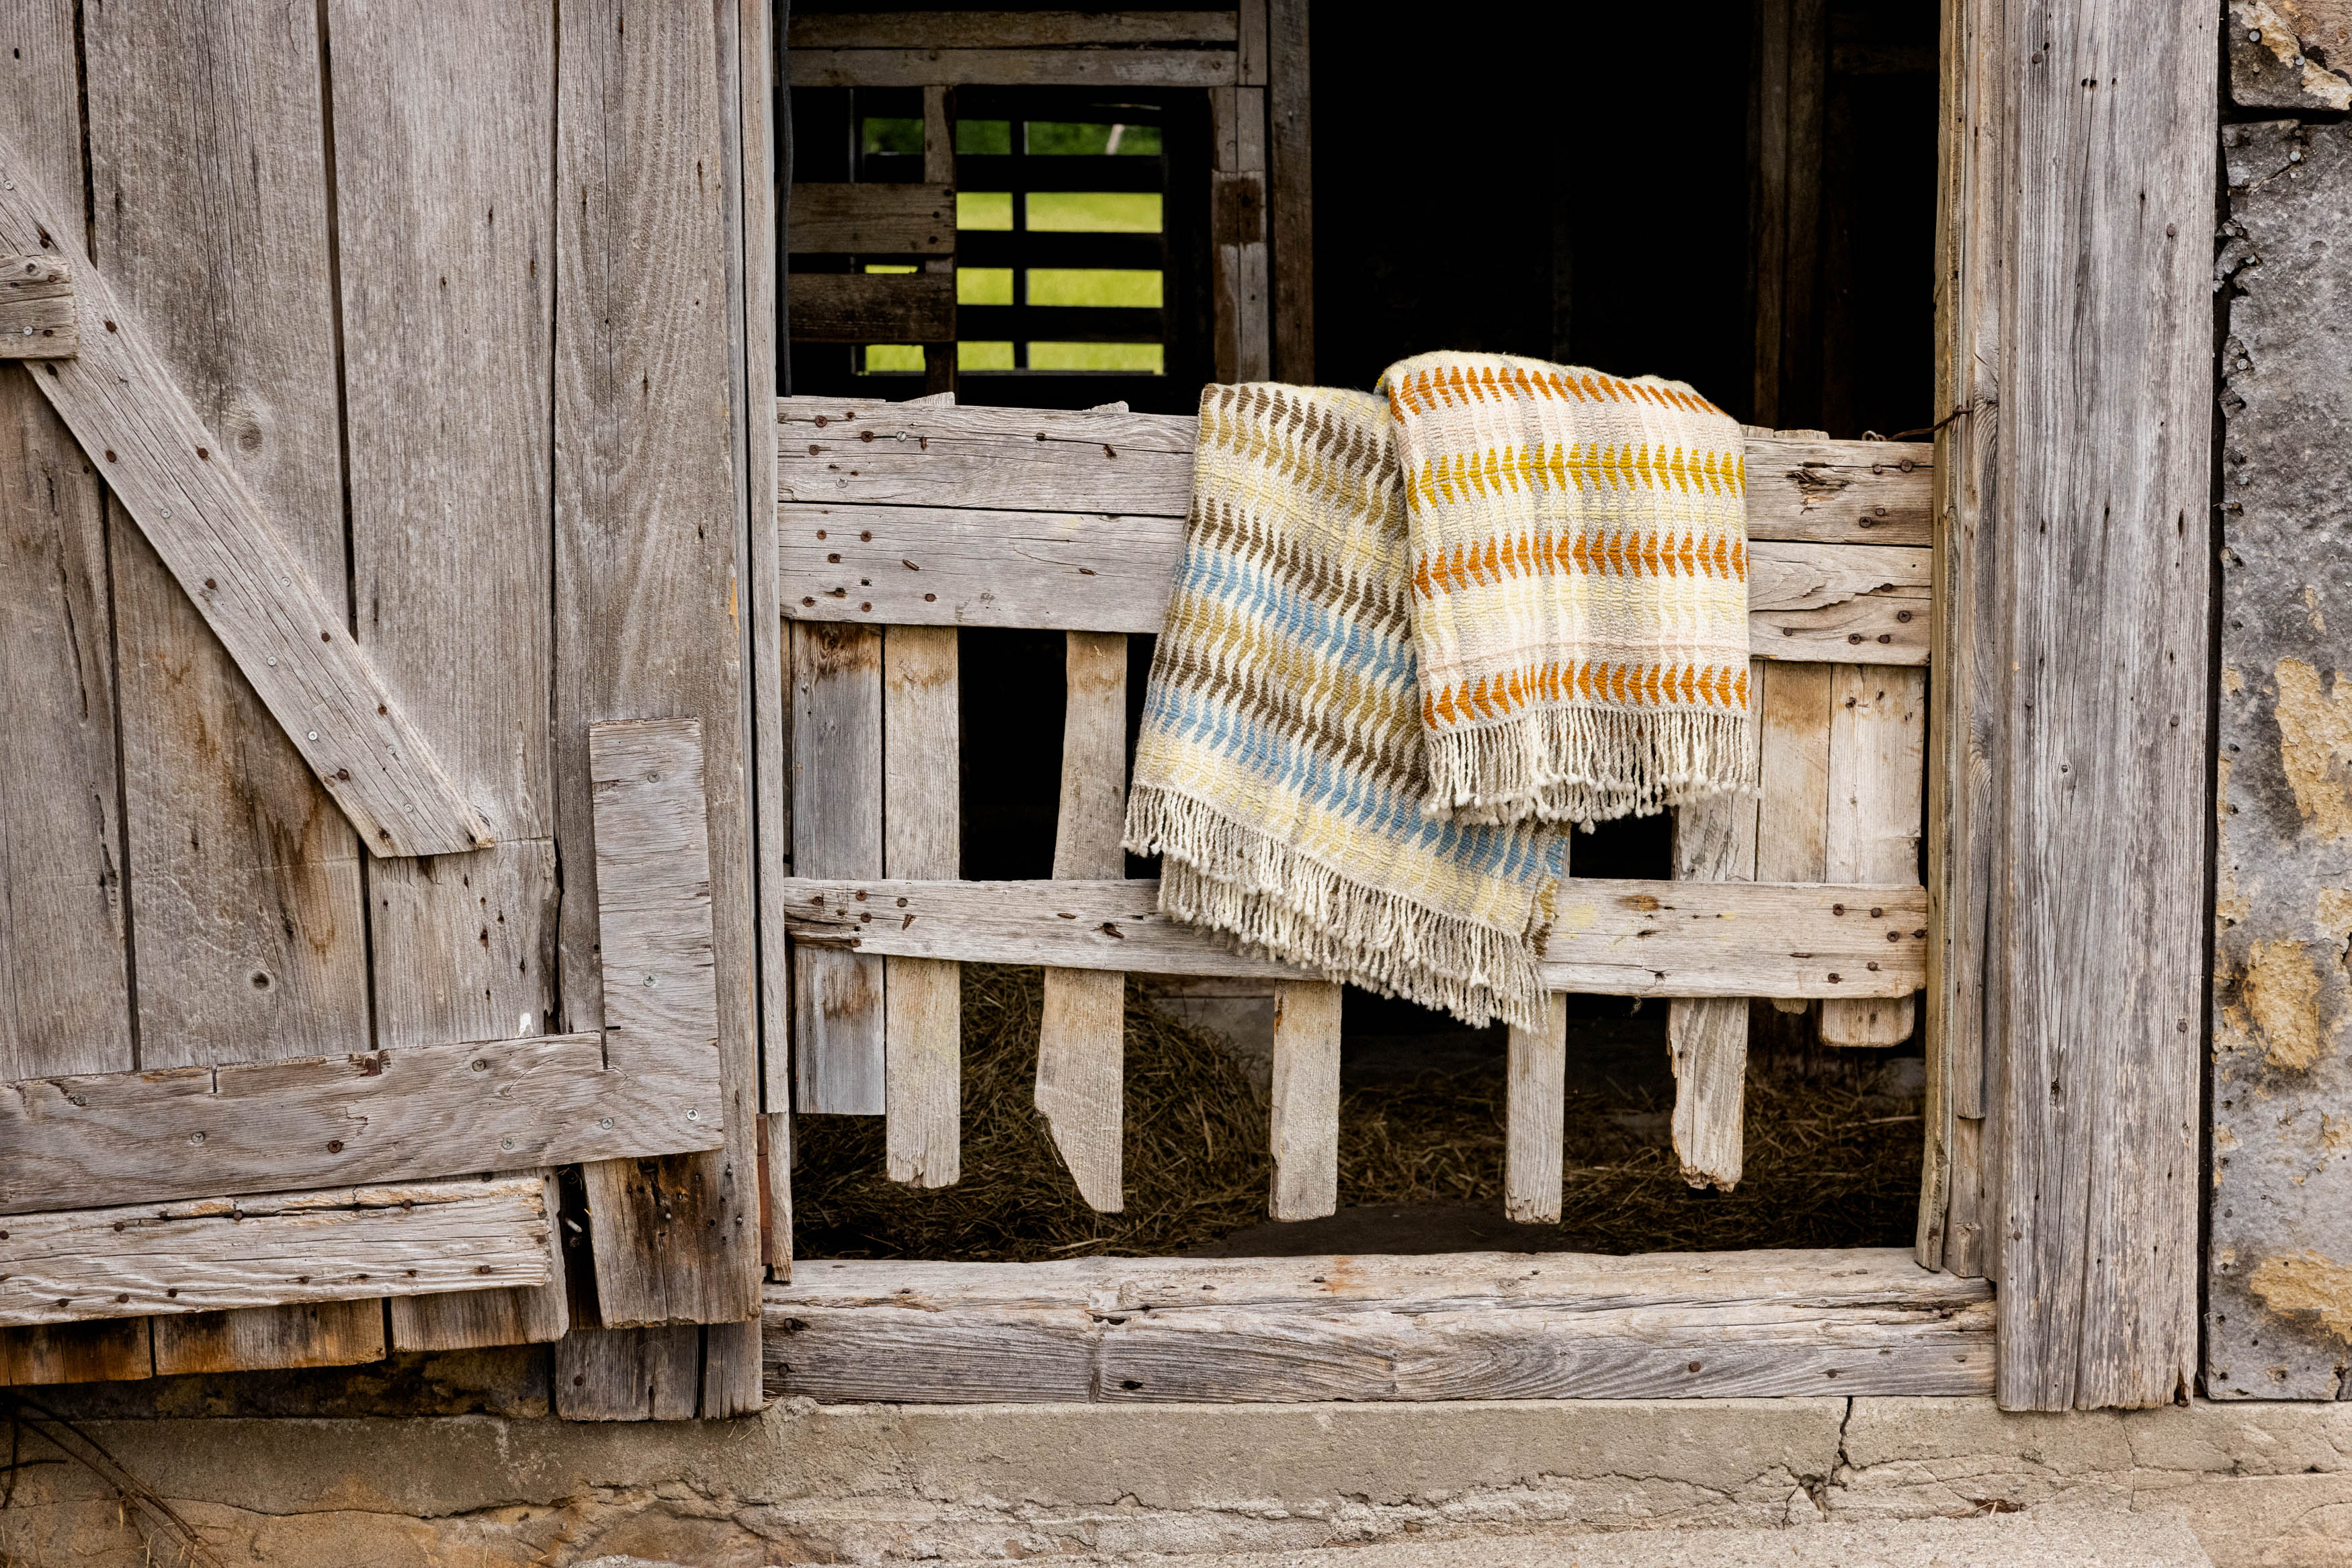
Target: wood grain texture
{"type": "Point", "coordinates": [1877, 749]}
{"type": "Point", "coordinates": [1305, 1125]}
{"type": "Point", "coordinates": [1008, 29]}
{"type": "Point", "coordinates": [288, 637]}
{"type": "Point", "coordinates": [2102, 515]}
{"type": "Point", "coordinates": [1241, 291]}
{"type": "Point", "coordinates": [649, 549]}
{"type": "Point", "coordinates": [628, 1375]}
{"type": "Point", "coordinates": [1615, 937]}
{"type": "Point", "coordinates": [38, 320]}
{"type": "Point", "coordinates": [410, 1115]}
{"type": "Point", "coordinates": [1059, 571]}
{"type": "Point", "coordinates": [1291, 189]}
{"type": "Point", "coordinates": [1081, 1042]}
{"type": "Point", "coordinates": [873, 220]}
{"type": "Point", "coordinates": [1792, 807]}
{"type": "Point", "coordinates": [214, 1254]}
{"type": "Point", "coordinates": [463, 1319]}
{"type": "Point", "coordinates": [322, 1333]}
{"type": "Point", "coordinates": [113, 1350]}
{"type": "Point", "coordinates": [1094, 67]}
{"type": "Point", "coordinates": [922, 1027]}
{"type": "Point", "coordinates": [1536, 1117]}
{"type": "Point", "coordinates": [872, 306]}
{"type": "Point", "coordinates": [839, 1053]}
{"type": "Point", "coordinates": [1707, 1039]}
{"type": "Point", "coordinates": [1463, 1326]}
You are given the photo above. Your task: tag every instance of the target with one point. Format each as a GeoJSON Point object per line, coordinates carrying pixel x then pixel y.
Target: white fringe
{"type": "Point", "coordinates": [1286, 905]}
{"type": "Point", "coordinates": [1587, 765]}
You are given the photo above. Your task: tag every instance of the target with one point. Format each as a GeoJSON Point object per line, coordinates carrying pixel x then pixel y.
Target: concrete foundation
{"type": "Point", "coordinates": [2266, 1484]}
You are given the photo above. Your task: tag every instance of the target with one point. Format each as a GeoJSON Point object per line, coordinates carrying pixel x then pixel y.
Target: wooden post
{"type": "Point", "coordinates": [1081, 1081]}
{"type": "Point", "coordinates": [1306, 1118]}
{"type": "Point", "coordinates": [1237, 233]}
{"type": "Point", "coordinates": [2098, 912]}
{"type": "Point", "coordinates": [1876, 714]}
{"type": "Point", "coordinates": [1707, 1039]}
{"type": "Point", "coordinates": [1536, 1117]}
{"type": "Point", "coordinates": [1291, 189]}
{"type": "Point", "coordinates": [938, 169]}
{"type": "Point", "coordinates": [1793, 710]}
{"type": "Point", "coordinates": [922, 1016]}
{"type": "Point", "coordinates": [837, 1050]}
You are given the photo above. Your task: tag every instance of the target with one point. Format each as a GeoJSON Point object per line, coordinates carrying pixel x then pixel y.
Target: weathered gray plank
{"type": "Point", "coordinates": [2279, 1269]}
{"type": "Point", "coordinates": [1305, 1131]}
{"type": "Point", "coordinates": [1536, 1118]}
{"type": "Point", "coordinates": [838, 786]}
{"type": "Point", "coordinates": [445, 212]}
{"type": "Point", "coordinates": [649, 570]}
{"type": "Point", "coordinates": [1242, 298]}
{"type": "Point", "coordinates": [462, 1319]}
{"type": "Point", "coordinates": [1792, 807]}
{"type": "Point", "coordinates": [1150, 67]}
{"type": "Point", "coordinates": [1082, 1032]}
{"type": "Point", "coordinates": [628, 1375]}
{"type": "Point", "coordinates": [1291, 189]}
{"type": "Point", "coordinates": [1707, 1039]}
{"type": "Point", "coordinates": [410, 1114]}
{"type": "Point", "coordinates": [246, 1339]}
{"type": "Point", "coordinates": [2106, 400]}
{"type": "Point", "coordinates": [938, 566]}
{"type": "Point", "coordinates": [289, 639]}
{"type": "Point", "coordinates": [1008, 29]}
{"type": "Point", "coordinates": [219, 1253]}
{"type": "Point", "coordinates": [1877, 749]}
{"type": "Point", "coordinates": [1619, 939]}
{"type": "Point", "coordinates": [36, 309]}
{"type": "Point", "coordinates": [872, 306]}
{"type": "Point", "coordinates": [922, 1026]}
{"type": "Point", "coordinates": [873, 219]}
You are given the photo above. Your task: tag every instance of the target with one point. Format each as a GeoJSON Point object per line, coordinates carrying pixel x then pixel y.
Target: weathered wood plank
{"type": "Point", "coordinates": [936, 566]}
{"type": "Point", "coordinates": [1290, 189]}
{"type": "Point", "coordinates": [1801, 488]}
{"type": "Point", "coordinates": [1707, 1039]}
{"type": "Point", "coordinates": [1154, 68]}
{"type": "Point", "coordinates": [410, 1114]}
{"type": "Point", "coordinates": [217, 1253]}
{"type": "Point", "coordinates": [1008, 29]}
{"type": "Point", "coordinates": [872, 306]}
{"type": "Point", "coordinates": [287, 636]}
{"type": "Point", "coordinates": [838, 1049]}
{"type": "Point", "coordinates": [246, 1339]}
{"type": "Point", "coordinates": [628, 1375]}
{"type": "Point", "coordinates": [2107, 407]}
{"type": "Point", "coordinates": [110, 1350]}
{"type": "Point", "coordinates": [1242, 298]}
{"type": "Point", "coordinates": [1305, 1132]}
{"type": "Point", "coordinates": [467, 1318]}
{"type": "Point", "coordinates": [1618, 939]}
{"type": "Point", "coordinates": [873, 220]}
{"type": "Point", "coordinates": [1792, 807]}
{"type": "Point", "coordinates": [36, 309]}
{"type": "Point", "coordinates": [1081, 1044]}
{"type": "Point", "coordinates": [1536, 1117]}
{"type": "Point", "coordinates": [1470, 1326]}
{"type": "Point", "coordinates": [1877, 749]}
{"type": "Point", "coordinates": [922, 1023]}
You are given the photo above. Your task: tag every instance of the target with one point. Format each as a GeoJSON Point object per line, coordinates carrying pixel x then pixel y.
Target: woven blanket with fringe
{"type": "Point", "coordinates": [1279, 773]}
{"type": "Point", "coordinates": [1580, 588]}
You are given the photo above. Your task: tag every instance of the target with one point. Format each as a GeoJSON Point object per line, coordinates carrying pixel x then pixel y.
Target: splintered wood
{"type": "Point", "coordinates": [1536, 1117]}
{"type": "Point", "coordinates": [1081, 1077]}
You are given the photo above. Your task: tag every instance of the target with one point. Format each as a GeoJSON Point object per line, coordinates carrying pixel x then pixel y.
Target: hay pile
{"type": "Point", "coordinates": [1825, 1167]}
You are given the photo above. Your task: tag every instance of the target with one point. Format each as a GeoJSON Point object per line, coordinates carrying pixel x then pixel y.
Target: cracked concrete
{"type": "Point", "coordinates": [2261, 1483]}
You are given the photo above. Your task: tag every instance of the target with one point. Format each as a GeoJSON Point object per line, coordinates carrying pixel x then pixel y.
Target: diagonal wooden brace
{"type": "Point", "coordinates": [288, 638]}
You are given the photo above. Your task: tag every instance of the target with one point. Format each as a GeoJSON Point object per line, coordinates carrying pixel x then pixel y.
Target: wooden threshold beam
{"type": "Point", "coordinates": [1613, 937]}
{"type": "Point", "coordinates": [219, 1253]}
{"type": "Point", "coordinates": [291, 641]}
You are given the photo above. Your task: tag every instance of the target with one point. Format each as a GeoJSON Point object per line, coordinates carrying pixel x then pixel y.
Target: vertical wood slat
{"type": "Point", "coordinates": [65, 997]}
{"type": "Point", "coordinates": [2103, 614]}
{"type": "Point", "coordinates": [1706, 1037]}
{"type": "Point", "coordinates": [1291, 190]}
{"type": "Point", "coordinates": [445, 212]}
{"type": "Point", "coordinates": [1877, 750]}
{"type": "Point", "coordinates": [922, 1029]}
{"type": "Point", "coordinates": [1536, 1118]}
{"type": "Point", "coordinates": [1963, 734]}
{"type": "Point", "coordinates": [1305, 1125]}
{"type": "Point", "coordinates": [1081, 1080]}
{"type": "Point", "coordinates": [1242, 340]}
{"type": "Point", "coordinates": [837, 1039]}
{"type": "Point", "coordinates": [938, 169]}
{"type": "Point", "coordinates": [632, 1374]}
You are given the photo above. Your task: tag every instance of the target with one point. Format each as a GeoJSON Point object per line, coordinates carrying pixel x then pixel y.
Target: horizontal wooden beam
{"type": "Point", "coordinates": [834, 450]}
{"type": "Point", "coordinates": [1089, 571]}
{"type": "Point", "coordinates": [409, 1115]}
{"type": "Point", "coordinates": [36, 309]}
{"type": "Point", "coordinates": [1467, 1326]}
{"type": "Point", "coordinates": [1099, 68]}
{"type": "Point", "coordinates": [291, 641]}
{"type": "Point", "coordinates": [872, 220]}
{"type": "Point", "coordinates": [1613, 937]}
{"type": "Point", "coordinates": [873, 306]}
{"type": "Point", "coordinates": [217, 1253]}
{"type": "Point", "coordinates": [1007, 29]}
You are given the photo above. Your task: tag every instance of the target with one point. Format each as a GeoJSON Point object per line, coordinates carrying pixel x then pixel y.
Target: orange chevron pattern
{"type": "Point", "coordinates": [1628, 553]}
{"type": "Point", "coordinates": [1498, 696]}
{"type": "Point", "coordinates": [1458, 385]}
{"type": "Point", "coordinates": [1590, 465]}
